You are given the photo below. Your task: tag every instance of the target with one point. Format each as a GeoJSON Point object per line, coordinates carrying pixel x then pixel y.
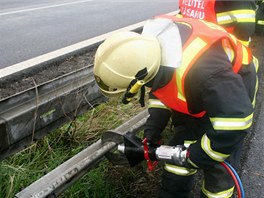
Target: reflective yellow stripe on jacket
{"type": "Point", "coordinates": [256, 64]}
{"type": "Point", "coordinates": [223, 194]}
{"type": "Point", "coordinates": [154, 103]}
{"type": "Point", "coordinates": [206, 146]}
{"type": "Point", "coordinates": [188, 56]}
{"type": "Point", "coordinates": [232, 123]}
{"type": "Point", "coordinates": [179, 170]}
{"type": "Point", "coordinates": [241, 16]}
{"type": "Point", "coordinates": [260, 22]}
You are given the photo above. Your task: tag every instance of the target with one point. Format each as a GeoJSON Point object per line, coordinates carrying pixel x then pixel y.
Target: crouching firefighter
{"type": "Point", "coordinates": [202, 79]}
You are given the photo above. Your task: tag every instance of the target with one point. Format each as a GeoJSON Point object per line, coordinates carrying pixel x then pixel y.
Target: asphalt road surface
{"type": "Point", "coordinates": [31, 28]}
{"type": "Point", "coordinates": [252, 173]}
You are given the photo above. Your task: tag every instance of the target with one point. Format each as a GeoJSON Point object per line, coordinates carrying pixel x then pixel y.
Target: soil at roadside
{"type": "Point", "coordinates": [27, 80]}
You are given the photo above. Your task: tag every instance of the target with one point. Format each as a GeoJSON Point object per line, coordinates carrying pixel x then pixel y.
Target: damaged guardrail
{"type": "Point", "coordinates": [58, 180]}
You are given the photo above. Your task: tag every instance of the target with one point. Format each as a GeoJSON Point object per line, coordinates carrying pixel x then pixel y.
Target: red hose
{"type": "Point", "coordinates": [234, 178]}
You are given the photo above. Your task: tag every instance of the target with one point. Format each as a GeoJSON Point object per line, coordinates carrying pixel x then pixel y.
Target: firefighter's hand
{"type": "Point", "coordinates": [152, 137]}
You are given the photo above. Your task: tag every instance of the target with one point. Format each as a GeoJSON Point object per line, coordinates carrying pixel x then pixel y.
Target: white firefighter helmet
{"type": "Point", "coordinates": [120, 57]}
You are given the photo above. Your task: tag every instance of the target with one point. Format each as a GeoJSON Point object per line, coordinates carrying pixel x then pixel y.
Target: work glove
{"type": "Point", "coordinates": [152, 137]}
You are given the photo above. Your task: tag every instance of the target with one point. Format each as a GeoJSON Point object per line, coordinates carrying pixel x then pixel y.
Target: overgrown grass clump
{"type": "Point", "coordinates": [25, 167]}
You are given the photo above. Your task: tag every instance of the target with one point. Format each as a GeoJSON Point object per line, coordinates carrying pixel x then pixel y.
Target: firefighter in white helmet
{"type": "Point", "coordinates": [113, 74]}
{"type": "Point", "coordinates": [201, 78]}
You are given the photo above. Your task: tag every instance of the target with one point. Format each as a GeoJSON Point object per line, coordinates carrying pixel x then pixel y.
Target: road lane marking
{"type": "Point", "coordinates": [43, 7]}
{"type": "Point", "coordinates": [42, 59]}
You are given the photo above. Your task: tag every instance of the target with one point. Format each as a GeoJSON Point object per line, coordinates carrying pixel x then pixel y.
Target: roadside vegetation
{"type": "Point", "coordinates": [106, 180]}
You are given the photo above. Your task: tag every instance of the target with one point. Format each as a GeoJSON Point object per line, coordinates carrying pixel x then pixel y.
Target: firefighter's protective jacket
{"type": "Point", "coordinates": [210, 86]}
{"type": "Point", "coordinates": [260, 17]}
{"type": "Point", "coordinates": [237, 17]}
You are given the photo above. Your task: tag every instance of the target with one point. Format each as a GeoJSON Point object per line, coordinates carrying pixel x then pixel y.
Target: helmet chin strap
{"type": "Point", "coordinates": [142, 96]}
{"type": "Point", "coordinates": [134, 86]}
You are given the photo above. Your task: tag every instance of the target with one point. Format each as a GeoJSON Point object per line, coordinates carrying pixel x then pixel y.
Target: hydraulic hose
{"type": "Point", "coordinates": [237, 180]}
{"type": "Point", "coordinates": [135, 153]}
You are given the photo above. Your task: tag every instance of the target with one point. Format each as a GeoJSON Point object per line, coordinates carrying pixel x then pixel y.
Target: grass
{"type": "Point", "coordinates": [25, 167]}
{"type": "Point", "coordinates": [105, 181]}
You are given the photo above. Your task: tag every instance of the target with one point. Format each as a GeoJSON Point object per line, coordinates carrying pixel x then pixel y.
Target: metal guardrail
{"type": "Point", "coordinates": [56, 181]}
{"type": "Point", "coordinates": [38, 118]}
{"type": "Point", "coordinates": [33, 113]}
{"type": "Point", "coordinates": [30, 115]}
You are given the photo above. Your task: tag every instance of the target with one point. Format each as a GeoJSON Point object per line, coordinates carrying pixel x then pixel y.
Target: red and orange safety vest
{"type": "Point", "coordinates": [205, 34]}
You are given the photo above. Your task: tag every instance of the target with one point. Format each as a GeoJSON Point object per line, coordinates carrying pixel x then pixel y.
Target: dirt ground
{"type": "Point", "coordinates": [28, 79]}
